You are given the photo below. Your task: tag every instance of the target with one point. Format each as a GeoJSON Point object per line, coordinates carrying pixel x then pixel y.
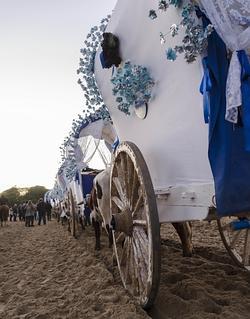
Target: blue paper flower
{"type": "Point", "coordinates": [163, 5]}
{"type": "Point", "coordinates": [171, 54]}
{"type": "Point", "coordinates": [132, 84]}
{"type": "Point", "coordinates": [176, 3]}
{"type": "Point", "coordinates": [152, 14]}
{"type": "Point", "coordinates": [195, 40]}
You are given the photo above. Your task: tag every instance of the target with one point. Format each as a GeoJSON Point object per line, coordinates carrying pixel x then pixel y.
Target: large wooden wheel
{"type": "Point", "coordinates": [236, 239]}
{"type": "Point", "coordinates": [136, 229]}
{"type": "Point", "coordinates": [73, 215]}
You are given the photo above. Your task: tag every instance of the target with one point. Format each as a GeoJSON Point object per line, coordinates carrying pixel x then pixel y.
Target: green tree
{"type": "Point", "coordinates": [12, 195]}
{"type": "Point", "coordinates": [34, 193]}
{"type": "Point", "coordinates": [15, 195]}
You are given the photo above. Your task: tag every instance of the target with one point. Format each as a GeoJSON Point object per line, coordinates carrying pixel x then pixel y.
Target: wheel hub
{"type": "Point", "coordinates": [123, 222]}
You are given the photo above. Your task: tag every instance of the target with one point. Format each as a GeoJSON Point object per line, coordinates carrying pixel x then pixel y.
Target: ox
{"type": "Point", "coordinates": [99, 203]}
{"type": "Point", "coordinates": [4, 214]}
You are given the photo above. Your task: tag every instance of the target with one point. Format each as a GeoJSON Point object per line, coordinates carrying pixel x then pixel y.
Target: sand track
{"type": "Point", "coordinates": [45, 273]}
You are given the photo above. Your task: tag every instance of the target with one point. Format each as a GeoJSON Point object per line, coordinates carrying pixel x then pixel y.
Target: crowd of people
{"type": "Point", "coordinates": [30, 212]}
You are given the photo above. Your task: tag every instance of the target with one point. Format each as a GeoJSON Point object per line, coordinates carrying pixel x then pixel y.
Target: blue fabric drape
{"type": "Point", "coordinates": [229, 160]}
{"type": "Point", "coordinates": [87, 183]}
{"type": "Point", "coordinates": [205, 88]}
{"type": "Point", "coordinates": [77, 177]}
{"type": "Point", "coordinates": [245, 91]}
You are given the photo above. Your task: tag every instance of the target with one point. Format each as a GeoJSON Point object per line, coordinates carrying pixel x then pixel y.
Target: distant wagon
{"type": "Point", "coordinates": [92, 148]}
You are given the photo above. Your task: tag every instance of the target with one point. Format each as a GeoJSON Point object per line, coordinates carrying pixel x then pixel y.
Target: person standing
{"type": "Point", "coordinates": [24, 210]}
{"type": "Point", "coordinates": [11, 214]}
{"type": "Point", "coordinates": [29, 215]}
{"type": "Point", "coordinates": [15, 212]}
{"type": "Point", "coordinates": [41, 208]}
{"type": "Point", "coordinates": [48, 208]}
{"type": "Point", "coordinates": [20, 212]}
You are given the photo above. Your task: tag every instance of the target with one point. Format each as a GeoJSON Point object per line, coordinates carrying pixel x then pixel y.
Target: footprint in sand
{"type": "Point", "coordinates": [2, 306]}
{"type": "Point", "coordinates": [20, 284]}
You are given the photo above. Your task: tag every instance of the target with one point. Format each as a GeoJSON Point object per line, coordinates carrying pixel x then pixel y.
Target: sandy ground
{"type": "Point", "coordinates": [45, 273]}
{"type": "Point", "coordinates": [207, 285]}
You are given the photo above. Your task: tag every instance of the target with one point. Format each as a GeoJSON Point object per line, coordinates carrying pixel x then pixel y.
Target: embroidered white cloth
{"type": "Point", "coordinates": [231, 20]}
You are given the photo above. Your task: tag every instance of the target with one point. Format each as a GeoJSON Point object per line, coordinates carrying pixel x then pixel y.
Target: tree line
{"type": "Point", "coordinates": [15, 195]}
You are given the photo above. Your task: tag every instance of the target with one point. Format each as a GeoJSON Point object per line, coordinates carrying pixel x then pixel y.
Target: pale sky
{"type": "Point", "coordinates": [40, 43]}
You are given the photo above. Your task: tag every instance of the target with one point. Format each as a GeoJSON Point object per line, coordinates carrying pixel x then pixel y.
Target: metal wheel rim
{"type": "Point", "coordinates": [236, 242]}
{"type": "Point", "coordinates": [138, 256]}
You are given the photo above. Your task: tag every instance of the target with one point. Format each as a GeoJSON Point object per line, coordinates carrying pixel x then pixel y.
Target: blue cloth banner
{"type": "Point", "coordinates": [87, 183]}
{"type": "Point", "coordinates": [115, 144]}
{"type": "Point", "coordinates": [103, 61]}
{"type": "Point", "coordinates": [205, 88]}
{"type": "Point", "coordinates": [77, 177]}
{"type": "Point", "coordinates": [229, 160]}
{"type": "Point", "coordinates": [245, 91]}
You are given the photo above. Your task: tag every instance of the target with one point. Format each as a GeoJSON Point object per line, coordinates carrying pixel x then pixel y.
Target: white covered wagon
{"type": "Point", "coordinates": [160, 172]}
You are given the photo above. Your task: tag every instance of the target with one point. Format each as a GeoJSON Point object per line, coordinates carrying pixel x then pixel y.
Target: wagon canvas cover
{"type": "Point", "coordinates": [173, 137]}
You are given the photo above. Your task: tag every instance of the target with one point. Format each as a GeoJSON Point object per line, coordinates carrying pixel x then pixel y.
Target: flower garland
{"type": "Point", "coordinates": [87, 62]}
{"type": "Point", "coordinates": [95, 108]}
{"type": "Point", "coordinates": [195, 39]}
{"type": "Point", "coordinates": [132, 84]}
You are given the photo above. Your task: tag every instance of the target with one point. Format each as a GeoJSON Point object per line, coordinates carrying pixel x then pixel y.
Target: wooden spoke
{"type": "Point", "coordinates": [139, 270]}
{"type": "Point", "coordinates": [134, 189]}
{"type": "Point", "coordinates": [127, 278]}
{"type": "Point", "coordinates": [123, 170]}
{"type": "Point", "coordinates": [125, 253]}
{"type": "Point", "coordinates": [130, 176]}
{"type": "Point", "coordinates": [143, 242]}
{"type": "Point", "coordinates": [133, 269]}
{"type": "Point", "coordinates": [118, 202]}
{"type": "Point", "coordinates": [143, 259]}
{"type": "Point", "coordinates": [226, 227]}
{"type": "Point", "coordinates": [235, 238]}
{"type": "Point", "coordinates": [246, 253]}
{"type": "Point", "coordinates": [139, 222]}
{"type": "Point", "coordinates": [121, 238]}
{"type": "Point", "coordinates": [119, 188]}
{"type": "Point", "coordinates": [138, 205]}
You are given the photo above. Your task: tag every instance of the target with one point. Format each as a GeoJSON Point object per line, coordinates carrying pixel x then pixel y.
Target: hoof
{"type": "Point", "coordinates": [187, 254]}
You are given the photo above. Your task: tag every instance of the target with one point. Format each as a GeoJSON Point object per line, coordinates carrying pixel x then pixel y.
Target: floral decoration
{"type": "Point", "coordinates": [86, 69]}
{"type": "Point", "coordinates": [171, 54]}
{"type": "Point", "coordinates": [152, 14]}
{"type": "Point", "coordinates": [132, 86]}
{"type": "Point", "coordinates": [95, 109]}
{"type": "Point", "coordinates": [195, 39]}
